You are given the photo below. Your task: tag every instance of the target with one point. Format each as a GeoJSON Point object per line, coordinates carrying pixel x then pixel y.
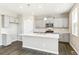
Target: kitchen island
{"type": "Point", "coordinates": [47, 42]}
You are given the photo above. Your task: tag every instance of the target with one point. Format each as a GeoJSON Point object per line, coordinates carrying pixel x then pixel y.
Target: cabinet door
{"type": "Point", "coordinates": [61, 22]}
{"type": "Point", "coordinates": [64, 37]}
{"type": "Point", "coordinates": [58, 22]}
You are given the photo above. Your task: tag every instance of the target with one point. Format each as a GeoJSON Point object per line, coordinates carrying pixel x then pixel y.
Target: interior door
{"type": "Point", "coordinates": [28, 26]}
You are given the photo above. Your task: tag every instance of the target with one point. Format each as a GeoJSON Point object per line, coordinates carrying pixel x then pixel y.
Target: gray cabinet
{"type": "Point", "coordinates": [64, 37]}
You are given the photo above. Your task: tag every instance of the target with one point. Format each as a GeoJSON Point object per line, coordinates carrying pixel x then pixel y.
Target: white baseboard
{"type": "Point", "coordinates": [41, 50]}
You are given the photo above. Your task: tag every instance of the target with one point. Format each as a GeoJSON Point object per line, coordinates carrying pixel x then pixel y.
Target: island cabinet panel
{"type": "Point", "coordinates": [41, 43]}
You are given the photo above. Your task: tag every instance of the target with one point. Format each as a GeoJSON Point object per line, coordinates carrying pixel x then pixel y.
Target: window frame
{"type": "Point", "coordinates": [75, 22]}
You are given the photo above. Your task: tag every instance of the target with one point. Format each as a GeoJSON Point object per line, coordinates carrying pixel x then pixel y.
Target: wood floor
{"type": "Point", "coordinates": [66, 49]}
{"type": "Point", "coordinates": [16, 49]}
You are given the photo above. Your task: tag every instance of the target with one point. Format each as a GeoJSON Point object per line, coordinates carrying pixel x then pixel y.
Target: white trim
{"type": "Point", "coordinates": [41, 50]}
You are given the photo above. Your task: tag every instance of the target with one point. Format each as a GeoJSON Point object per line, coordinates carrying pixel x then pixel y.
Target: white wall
{"type": "Point", "coordinates": [0, 32]}
{"type": "Point", "coordinates": [74, 40]}
{"type": "Point", "coordinates": [20, 27]}
{"type": "Point", "coordinates": [12, 33]}
{"type": "Point", "coordinates": [10, 29]}
{"type": "Point", "coordinates": [7, 12]}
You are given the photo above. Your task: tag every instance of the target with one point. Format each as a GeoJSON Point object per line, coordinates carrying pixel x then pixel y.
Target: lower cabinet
{"type": "Point", "coordinates": [64, 37]}
{"type": "Point", "coordinates": [41, 43]}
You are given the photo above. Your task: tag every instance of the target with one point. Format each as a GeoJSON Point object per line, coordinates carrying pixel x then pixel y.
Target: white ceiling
{"type": "Point", "coordinates": [37, 8]}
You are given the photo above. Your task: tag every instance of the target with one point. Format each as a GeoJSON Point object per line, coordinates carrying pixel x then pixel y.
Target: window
{"type": "Point", "coordinates": [75, 22]}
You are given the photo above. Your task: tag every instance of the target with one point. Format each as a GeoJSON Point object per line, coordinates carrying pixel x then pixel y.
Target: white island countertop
{"type": "Point", "coordinates": [46, 35]}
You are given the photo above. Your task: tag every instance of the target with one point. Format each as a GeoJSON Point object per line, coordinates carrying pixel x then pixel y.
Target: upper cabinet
{"type": "Point", "coordinates": [61, 22]}
{"type": "Point", "coordinates": [39, 22]}
{"type": "Point", "coordinates": [54, 22]}
{"type": "Point", "coordinates": [27, 25]}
